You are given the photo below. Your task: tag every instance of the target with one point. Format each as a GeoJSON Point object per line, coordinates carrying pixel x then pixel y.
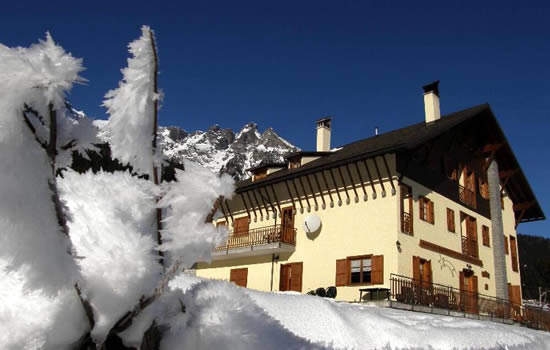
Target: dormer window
{"type": "Point", "coordinates": [260, 174]}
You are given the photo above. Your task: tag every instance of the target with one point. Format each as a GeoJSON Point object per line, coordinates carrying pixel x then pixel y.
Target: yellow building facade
{"type": "Point", "coordinates": [410, 204]}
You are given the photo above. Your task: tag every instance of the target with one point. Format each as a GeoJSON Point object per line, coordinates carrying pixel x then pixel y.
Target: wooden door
{"type": "Point", "coordinates": [514, 296]}
{"type": "Point", "coordinates": [240, 226]}
{"type": "Point", "coordinates": [239, 276]}
{"type": "Point", "coordinates": [468, 292]}
{"type": "Point", "coordinates": [291, 277]}
{"type": "Point", "coordinates": [471, 235]}
{"type": "Point", "coordinates": [287, 224]}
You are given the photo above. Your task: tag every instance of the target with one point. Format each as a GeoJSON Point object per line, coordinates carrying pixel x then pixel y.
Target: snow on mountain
{"type": "Point", "coordinates": [221, 150]}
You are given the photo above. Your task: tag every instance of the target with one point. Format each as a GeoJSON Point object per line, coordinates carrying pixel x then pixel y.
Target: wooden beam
{"type": "Point", "coordinates": [276, 199]}
{"type": "Point", "coordinates": [252, 205]}
{"type": "Point", "coordinates": [370, 176]}
{"type": "Point", "coordinates": [344, 182]}
{"type": "Point", "coordinates": [378, 172]}
{"type": "Point", "coordinates": [351, 180]}
{"type": "Point", "coordinates": [267, 199]}
{"type": "Point", "coordinates": [488, 161]}
{"type": "Point", "coordinates": [320, 189]}
{"type": "Point", "coordinates": [490, 148]}
{"type": "Point", "coordinates": [259, 206]}
{"type": "Point", "coordinates": [312, 192]}
{"type": "Point", "coordinates": [389, 173]}
{"type": "Point", "coordinates": [520, 216]}
{"type": "Point", "coordinates": [290, 195]}
{"type": "Point", "coordinates": [224, 213]}
{"type": "Point", "coordinates": [335, 184]}
{"type": "Point", "coordinates": [523, 206]}
{"type": "Point", "coordinates": [229, 210]}
{"type": "Point", "coordinates": [297, 194]}
{"type": "Point", "coordinates": [360, 179]}
{"type": "Point", "coordinates": [210, 216]}
{"type": "Point", "coordinates": [327, 186]}
{"type": "Point", "coordinates": [508, 173]}
{"type": "Point", "coordinates": [245, 206]}
{"type": "Point", "coordinates": [305, 192]}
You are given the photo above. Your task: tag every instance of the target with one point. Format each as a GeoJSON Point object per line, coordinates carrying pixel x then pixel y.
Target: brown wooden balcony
{"type": "Point", "coordinates": [470, 247]}
{"type": "Point", "coordinates": [424, 294]}
{"type": "Point", "coordinates": [263, 240]}
{"type": "Point", "coordinates": [406, 223]}
{"type": "Point", "coordinates": [467, 196]}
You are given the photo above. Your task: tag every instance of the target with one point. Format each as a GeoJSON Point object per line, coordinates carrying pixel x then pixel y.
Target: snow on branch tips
{"type": "Point", "coordinates": [189, 200]}
{"type": "Point", "coordinates": [132, 107]}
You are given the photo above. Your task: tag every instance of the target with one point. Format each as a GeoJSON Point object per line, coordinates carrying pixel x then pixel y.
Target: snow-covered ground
{"type": "Point", "coordinates": [220, 315]}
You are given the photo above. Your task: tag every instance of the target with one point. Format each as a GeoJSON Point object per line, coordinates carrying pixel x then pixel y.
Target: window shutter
{"type": "Point", "coordinates": [416, 268]}
{"type": "Point", "coordinates": [377, 269]}
{"type": "Point", "coordinates": [284, 278]}
{"type": "Point", "coordinates": [461, 280]}
{"type": "Point", "coordinates": [341, 272]}
{"type": "Point", "coordinates": [421, 207]}
{"type": "Point", "coordinates": [506, 250]}
{"type": "Point", "coordinates": [296, 277]}
{"type": "Point", "coordinates": [431, 216]}
{"type": "Point", "coordinates": [428, 271]}
{"type": "Point", "coordinates": [474, 278]}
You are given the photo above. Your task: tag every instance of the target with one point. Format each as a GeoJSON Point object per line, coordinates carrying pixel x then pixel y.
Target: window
{"type": "Point", "coordinates": [426, 208]}
{"type": "Point", "coordinates": [483, 187]}
{"type": "Point", "coordinates": [451, 220]}
{"type": "Point", "coordinates": [406, 209]}
{"type": "Point", "coordinates": [260, 174]}
{"type": "Point", "coordinates": [360, 270]}
{"type": "Point", "coordinates": [357, 270]}
{"type": "Point", "coordinates": [294, 164]}
{"type": "Point", "coordinates": [239, 276]}
{"type": "Point", "coordinates": [485, 233]}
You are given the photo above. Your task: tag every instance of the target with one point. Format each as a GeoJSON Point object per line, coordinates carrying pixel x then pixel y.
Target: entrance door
{"type": "Point", "coordinates": [291, 277]}
{"type": "Point", "coordinates": [468, 292]}
{"type": "Point", "coordinates": [287, 223]}
{"type": "Point", "coordinates": [422, 275]}
{"type": "Point", "coordinates": [239, 276]}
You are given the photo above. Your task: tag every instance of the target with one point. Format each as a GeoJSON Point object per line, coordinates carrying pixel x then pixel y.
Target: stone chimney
{"type": "Point", "coordinates": [431, 101]}
{"type": "Point", "coordinates": [323, 134]}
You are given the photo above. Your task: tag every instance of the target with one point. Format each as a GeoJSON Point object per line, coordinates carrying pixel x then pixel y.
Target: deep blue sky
{"type": "Point", "coordinates": [286, 63]}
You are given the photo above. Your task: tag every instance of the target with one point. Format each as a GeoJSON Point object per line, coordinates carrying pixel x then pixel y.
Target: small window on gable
{"type": "Point", "coordinates": [451, 220]}
{"type": "Point", "coordinates": [426, 209]}
{"type": "Point", "coordinates": [260, 175]}
{"type": "Point", "coordinates": [485, 233]}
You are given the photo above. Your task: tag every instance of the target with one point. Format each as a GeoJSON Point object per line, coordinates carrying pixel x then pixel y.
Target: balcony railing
{"type": "Point", "coordinates": [415, 292]}
{"type": "Point", "coordinates": [260, 236]}
{"type": "Point", "coordinates": [470, 247]}
{"type": "Point", "coordinates": [466, 196]}
{"type": "Point", "coordinates": [406, 223]}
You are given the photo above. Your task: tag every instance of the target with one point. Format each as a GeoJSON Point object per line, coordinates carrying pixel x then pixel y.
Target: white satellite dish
{"type": "Point", "coordinates": [312, 223]}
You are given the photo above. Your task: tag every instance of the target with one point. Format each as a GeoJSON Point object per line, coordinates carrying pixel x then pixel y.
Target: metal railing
{"type": "Point", "coordinates": [259, 236]}
{"type": "Point", "coordinates": [406, 223]}
{"type": "Point", "coordinates": [467, 196]}
{"type": "Point", "coordinates": [410, 291]}
{"type": "Point", "coordinates": [470, 247]}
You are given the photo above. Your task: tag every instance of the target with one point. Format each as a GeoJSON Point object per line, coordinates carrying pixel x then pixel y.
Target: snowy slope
{"type": "Point", "coordinates": [223, 316]}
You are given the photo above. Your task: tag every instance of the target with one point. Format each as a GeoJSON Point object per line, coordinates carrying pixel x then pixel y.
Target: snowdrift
{"type": "Point", "coordinates": [220, 315]}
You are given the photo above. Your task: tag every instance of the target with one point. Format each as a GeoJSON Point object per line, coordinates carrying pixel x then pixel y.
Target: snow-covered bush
{"type": "Point", "coordinates": [79, 253]}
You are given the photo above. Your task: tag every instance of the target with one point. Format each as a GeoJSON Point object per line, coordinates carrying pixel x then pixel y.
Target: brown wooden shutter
{"type": "Point", "coordinates": [514, 254]}
{"type": "Point", "coordinates": [428, 271]}
{"type": "Point", "coordinates": [239, 276]}
{"type": "Point", "coordinates": [506, 250]}
{"type": "Point", "coordinates": [341, 272]}
{"type": "Point", "coordinates": [461, 280]}
{"type": "Point", "coordinates": [474, 280]}
{"type": "Point", "coordinates": [421, 208]}
{"type": "Point", "coordinates": [377, 273]}
{"type": "Point", "coordinates": [416, 268]}
{"type": "Point", "coordinates": [431, 216]}
{"type": "Point", "coordinates": [283, 281]}
{"type": "Point", "coordinates": [296, 277]}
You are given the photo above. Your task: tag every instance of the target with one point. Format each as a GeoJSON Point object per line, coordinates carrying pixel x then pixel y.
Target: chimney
{"type": "Point", "coordinates": [323, 134]}
{"type": "Point", "coordinates": [431, 101]}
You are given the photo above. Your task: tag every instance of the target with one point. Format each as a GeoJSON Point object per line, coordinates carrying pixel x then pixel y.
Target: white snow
{"type": "Point", "coordinates": [190, 199]}
{"type": "Point", "coordinates": [130, 106]}
{"type": "Point", "coordinates": [112, 226]}
{"type": "Point", "coordinates": [222, 316]}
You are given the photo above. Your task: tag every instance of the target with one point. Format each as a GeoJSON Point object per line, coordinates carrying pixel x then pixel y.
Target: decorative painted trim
{"type": "Point", "coordinates": [449, 252]}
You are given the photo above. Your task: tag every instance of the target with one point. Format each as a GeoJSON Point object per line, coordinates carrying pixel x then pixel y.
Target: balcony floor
{"type": "Point", "coordinates": [254, 250]}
